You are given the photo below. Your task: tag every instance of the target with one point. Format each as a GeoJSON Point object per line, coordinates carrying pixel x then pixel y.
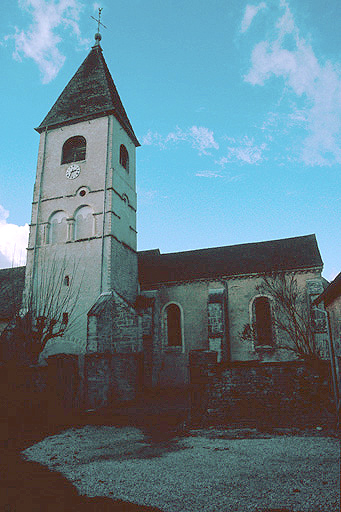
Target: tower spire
{"type": "Point", "coordinates": [98, 36]}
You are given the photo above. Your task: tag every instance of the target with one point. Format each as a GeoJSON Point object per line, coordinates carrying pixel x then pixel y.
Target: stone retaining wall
{"type": "Point", "coordinates": [259, 394]}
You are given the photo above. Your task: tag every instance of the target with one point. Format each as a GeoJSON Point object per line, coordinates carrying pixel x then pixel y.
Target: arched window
{"type": "Point", "coordinates": [74, 149]}
{"type": "Point", "coordinates": [57, 228]}
{"type": "Point", "coordinates": [84, 223]}
{"type": "Point", "coordinates": [173, 326]}
{"type": "Point", "coordinates": [124, 157]}
{"type": "Point", "coordinates": [263, 322]}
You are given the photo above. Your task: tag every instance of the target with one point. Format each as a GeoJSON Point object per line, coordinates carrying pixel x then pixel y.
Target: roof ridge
{"type": "Point", "coordinates": [114, 95]}
{"type": "Point", "coordinates": [284, 254]}
{"type": "Point", "coordinates": [265, 242]}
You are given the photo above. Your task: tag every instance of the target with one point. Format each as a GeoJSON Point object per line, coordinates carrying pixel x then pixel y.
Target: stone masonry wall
{"type": "Point", "coordinates": [256, 394]}
{"type": "Point", "coordinates": [112, 378]}
{"type": "Point", "coordinates": [114, 326]}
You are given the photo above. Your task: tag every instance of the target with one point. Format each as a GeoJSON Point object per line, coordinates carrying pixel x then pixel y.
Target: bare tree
{"type": "Point", "coordinates": [48, 309]}
{"type": "Point", "coordinates": [294, 319]}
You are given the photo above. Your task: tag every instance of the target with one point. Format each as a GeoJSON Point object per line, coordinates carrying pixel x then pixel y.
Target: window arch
{"type": "Point", "coordinates": [74, 149]}
{"type": "Point", "coordinates": [173, 325]}
{"type": "Point", "coordinates": [84, 223]}
{"type": "Point", "coordinates": [124, 157]}
{"type": "Point", "coordinates": [57, 232]}
{"type": "Point", "coordinates": [263, 321]}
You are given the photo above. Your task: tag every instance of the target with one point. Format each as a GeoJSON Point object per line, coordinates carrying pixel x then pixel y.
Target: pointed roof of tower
{"type": "Point", "coordinates": [91, 93]}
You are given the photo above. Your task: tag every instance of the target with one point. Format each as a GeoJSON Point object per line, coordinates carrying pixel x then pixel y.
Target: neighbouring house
{"type": "Point", "coordinates": [11, 288]}
{"type": "Point", "coordinates": [331, 299]}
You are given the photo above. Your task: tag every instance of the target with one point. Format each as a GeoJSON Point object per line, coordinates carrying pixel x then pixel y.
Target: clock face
{"type": "Point", "coordinates": [72, 171]}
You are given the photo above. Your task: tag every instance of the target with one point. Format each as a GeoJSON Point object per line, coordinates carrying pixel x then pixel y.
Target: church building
{"type": "Point", "coordinates": [83, 238]}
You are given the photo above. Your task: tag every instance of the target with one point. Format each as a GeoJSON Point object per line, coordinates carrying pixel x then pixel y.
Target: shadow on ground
{"type": "Point", "coordinates": [27, 486]}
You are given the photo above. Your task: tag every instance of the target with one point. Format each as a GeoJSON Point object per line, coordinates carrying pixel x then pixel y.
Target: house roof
{"type": "Point", "coordinates": [332, 292]}
{"type": "Point", "coordinates": [12, 282]}
{"type": "Point", "coordinates": [91, 93]}
{"type": "Point", "coordinates": [286, 254]}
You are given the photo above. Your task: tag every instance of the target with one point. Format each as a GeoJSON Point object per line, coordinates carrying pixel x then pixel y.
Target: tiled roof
{"type": "Point", "coordinates": [11, 287]}
{"type": "Point", "coordinates": [286, 254]}
{"type": "Point", "coordinates": [91, 93]}
{"type": "Point", "coordinates": [154, 268]}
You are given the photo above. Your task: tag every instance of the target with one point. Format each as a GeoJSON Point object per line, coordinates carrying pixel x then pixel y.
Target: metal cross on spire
{"type": "Point", "coordinates": [98, 36]}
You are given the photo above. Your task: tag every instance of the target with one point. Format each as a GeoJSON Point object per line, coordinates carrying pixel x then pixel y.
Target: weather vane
{"type": "Point", "coordinates": [98, 36]}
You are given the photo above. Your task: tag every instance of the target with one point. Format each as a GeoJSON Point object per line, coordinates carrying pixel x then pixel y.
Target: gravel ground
{"type": "Point", "coordinates": [204, 471]}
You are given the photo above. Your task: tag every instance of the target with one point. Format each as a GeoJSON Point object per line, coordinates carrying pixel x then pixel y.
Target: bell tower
{"type": "Point", "coordinates": [83, 226]}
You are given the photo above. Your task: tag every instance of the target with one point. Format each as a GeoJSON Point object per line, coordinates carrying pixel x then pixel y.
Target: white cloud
{"type": "Point", "coordinates": [40, 41]}
{"type": "Point", "coordinates": [152, 139]}
{"type": "Point", "coordinates": [202, 139]}
{"type": "Point", "coordinates": [209, 174]}
{"type": "Point", "coordinates": [13, 241]}
{"type": "Point", "coordinates": [250, 13]}
{"type": "Point", "coordinates": [219, 174]}
{"type": "Point", "coordinates": [243, 150]}
{"type": "Point", "coordinates": [315, 83]}
{"type": "Point", "coordinates": [199, 137]}
{"type": "Point", "coordinates": [147, 196]}
{"type": "Point", "coordinates": [222, 161]}
{"type": "Point", "coordinates": [176, 136]}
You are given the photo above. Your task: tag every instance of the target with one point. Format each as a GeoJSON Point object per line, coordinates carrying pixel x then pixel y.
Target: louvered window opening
{"type": "Point", "coordinates": [124, 157]}
{"type": "Point", "coordinates": [74, 150]}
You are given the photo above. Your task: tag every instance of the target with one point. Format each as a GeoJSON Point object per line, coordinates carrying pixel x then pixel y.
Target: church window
{"type": "Point", "coordinates": [65, 319]}
{"type": "Point", "coordinates": [263, 322]}
{"type": "Point", "coordinates": [84, 223]}
{"type": "Point", "coordinates": [57, 228]}
{"type": "Point", "coordinates": [124, 157]}
{"type": "Point", "coordinates": [66, 281]}
{"type": "Point", "coordinates": [74, 149]}
{"type": "Point", "coordinates": [173, 325]}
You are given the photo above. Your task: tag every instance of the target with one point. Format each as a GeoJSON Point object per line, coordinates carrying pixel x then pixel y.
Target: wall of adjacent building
{"type": "Point", "coordinates": [334, 310]}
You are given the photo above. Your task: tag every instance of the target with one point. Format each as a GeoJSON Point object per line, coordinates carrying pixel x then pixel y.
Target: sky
{"type": "Point", "coordinates": [236, 105]}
